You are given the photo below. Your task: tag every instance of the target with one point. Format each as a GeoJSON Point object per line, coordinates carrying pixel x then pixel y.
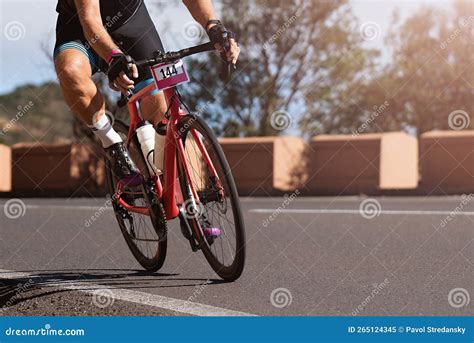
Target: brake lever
{"type": "Point", "coordinates": [225, 72]}
{"type": "Point", "coordinates": [227, 67]}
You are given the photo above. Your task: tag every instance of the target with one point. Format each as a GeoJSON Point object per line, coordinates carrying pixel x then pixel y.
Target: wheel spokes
{"type": "Point", "coordinates": [211, 190]}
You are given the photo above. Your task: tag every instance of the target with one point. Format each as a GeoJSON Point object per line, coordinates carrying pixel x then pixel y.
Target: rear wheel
{"type": "Point", "coordinates": [140, 231]}
{"type": "Point", "coordinates": [218, 205]}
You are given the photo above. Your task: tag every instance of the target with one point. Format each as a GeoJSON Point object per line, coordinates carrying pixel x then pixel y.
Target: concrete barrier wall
{"type": "Point", "coordinates": [447, 162]}
{"type": "Point", "coordinates": [41, 168]}
{"type": "Point", "coordinates": [265, 165]}
{"type": "Point", "coordinates": [57, 169]}
{"type": "Point", "coordinates": [5, 168]}
{"type": "Point", "coordinates": [326, 165]}
{"type": "Point", "coordinates": [370, 163]}
{"type": "Point", "coordinates": [343, 164]}
{"type": "Point", "coordinates": [88, 169]}
{"type": "Point", "coordinates": [398, 162]}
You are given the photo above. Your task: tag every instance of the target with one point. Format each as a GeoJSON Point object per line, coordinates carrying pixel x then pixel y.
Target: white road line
{"type": "Point", "coordinates": [159, 301]}
{"type": "Point", "coordinates": [356, 198]}
{"type": "Point", "coordinates": [342, 211]}
{"type": "Point", "coordinates": [270, 210]}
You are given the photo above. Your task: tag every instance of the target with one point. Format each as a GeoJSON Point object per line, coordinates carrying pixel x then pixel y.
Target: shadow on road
{"type": "Point", "coordinates": [47, 282]}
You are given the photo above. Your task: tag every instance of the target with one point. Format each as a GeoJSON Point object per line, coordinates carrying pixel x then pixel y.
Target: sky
{"type": "Point", "coordinates": [28, 25]}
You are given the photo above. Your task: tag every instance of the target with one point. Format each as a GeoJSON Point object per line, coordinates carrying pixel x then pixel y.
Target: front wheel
{"type": "Point", "coordinates": [212, 201]}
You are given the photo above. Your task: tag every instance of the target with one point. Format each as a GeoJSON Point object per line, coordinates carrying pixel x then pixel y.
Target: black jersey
{"type": "Point", "coordinates": [134, 33]}
{"type": "Point", "coordinates": [113, 12]}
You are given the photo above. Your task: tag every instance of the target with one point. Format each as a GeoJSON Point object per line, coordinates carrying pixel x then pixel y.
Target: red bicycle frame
{"type": "Point", "coordinates": [173, 143]}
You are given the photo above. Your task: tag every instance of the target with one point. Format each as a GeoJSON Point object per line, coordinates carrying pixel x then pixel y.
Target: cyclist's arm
{"type": "Point", "coordinates": [100, 40]}
{"type": "Point", "coordinates": [202, 11]}
{"type": "Point", "coordinates": [95, 33]}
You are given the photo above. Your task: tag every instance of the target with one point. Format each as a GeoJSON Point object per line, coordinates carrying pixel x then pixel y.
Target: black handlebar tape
{"type": "Point", "coordinates": [176, 55]}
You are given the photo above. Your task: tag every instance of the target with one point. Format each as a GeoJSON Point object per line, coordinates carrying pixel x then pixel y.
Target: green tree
{"type": "Point", "coordinates": [34, 113]}
{"type": "Point", "coordinates": [299, 61]}
{"type": "Point", "coordinates": [429, 83]}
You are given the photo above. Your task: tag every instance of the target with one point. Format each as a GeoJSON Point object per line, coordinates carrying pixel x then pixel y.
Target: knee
{"type": "Point", "coordinates": [72, 72]}
{"type": "Point", "coordinates": [154, 107]}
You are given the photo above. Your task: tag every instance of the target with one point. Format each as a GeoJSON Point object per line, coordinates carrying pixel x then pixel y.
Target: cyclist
{"type": "Point", "coordinates": [107, 35]}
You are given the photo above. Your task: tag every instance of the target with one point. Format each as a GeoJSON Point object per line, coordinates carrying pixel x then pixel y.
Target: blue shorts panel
{"type": "Point", "coordinates": [77, 45]}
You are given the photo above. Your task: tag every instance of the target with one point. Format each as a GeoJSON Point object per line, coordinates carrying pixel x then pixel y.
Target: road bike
{"type": "Point", "coordinates": [196, 186]}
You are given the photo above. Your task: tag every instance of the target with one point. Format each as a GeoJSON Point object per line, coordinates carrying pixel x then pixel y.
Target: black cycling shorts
{"type": "Point", "coordinates": [136, 36]}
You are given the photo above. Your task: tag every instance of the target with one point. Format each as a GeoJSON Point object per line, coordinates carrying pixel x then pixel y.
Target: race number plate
{"type": "Point", "coordinates": [168, 75]}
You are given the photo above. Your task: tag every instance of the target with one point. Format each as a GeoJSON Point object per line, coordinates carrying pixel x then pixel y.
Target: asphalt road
{"type": "Point", "coordinates": [315, 256]}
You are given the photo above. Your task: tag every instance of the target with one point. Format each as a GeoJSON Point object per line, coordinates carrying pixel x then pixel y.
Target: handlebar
{"type": "Point", "coordinates": [176, 55]}
{"type": "Point", "coordinates": [173, 56]}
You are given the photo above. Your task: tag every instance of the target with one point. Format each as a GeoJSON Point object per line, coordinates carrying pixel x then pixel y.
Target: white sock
{"type": "Point", "coordinates": [105, 132]}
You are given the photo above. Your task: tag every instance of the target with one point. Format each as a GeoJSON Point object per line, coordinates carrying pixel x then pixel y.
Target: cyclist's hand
{"type": "Point", "coordinates": [224, 41]}
{"type": "Point", "coordinates": [232, 54]}
{"type": "Point", "coordinates": [121, 71]}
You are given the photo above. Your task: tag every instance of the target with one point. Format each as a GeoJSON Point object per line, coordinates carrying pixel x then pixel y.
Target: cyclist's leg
{"type": "Point", "coordinates": [75, 78]}
{"type": "Point", "coordinates": [75, 63]}
{"type": "Point", "coordinates": [74, 72]}
{"type": "Point", "coordinates": [154, 107]}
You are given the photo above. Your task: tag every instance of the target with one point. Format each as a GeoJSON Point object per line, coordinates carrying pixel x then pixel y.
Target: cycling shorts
{"type": "Point", "coordinates": [136, 36]}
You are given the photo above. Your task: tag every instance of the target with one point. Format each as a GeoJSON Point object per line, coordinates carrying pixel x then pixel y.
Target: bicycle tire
{"type": "Point", "coordinates": [233, 271]}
